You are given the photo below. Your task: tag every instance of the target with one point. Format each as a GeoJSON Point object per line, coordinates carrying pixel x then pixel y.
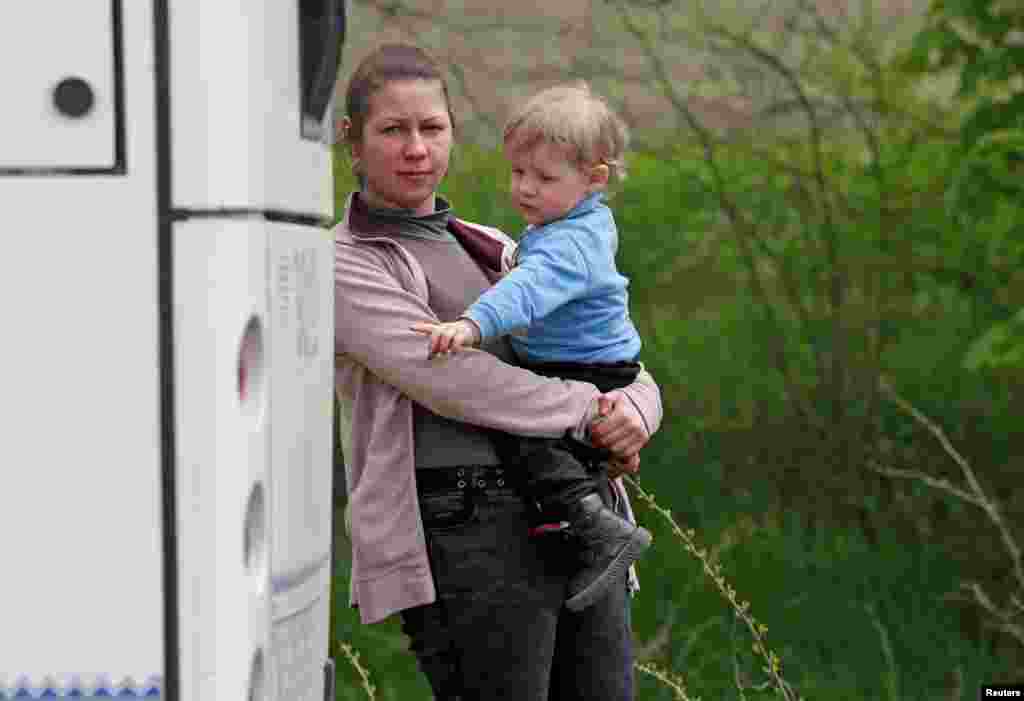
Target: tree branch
{"type": "Point", "coordinates": [976, 495]}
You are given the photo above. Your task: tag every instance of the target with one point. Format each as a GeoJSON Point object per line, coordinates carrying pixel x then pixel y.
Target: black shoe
{"type": "Point", "coordinates": [610, 544]}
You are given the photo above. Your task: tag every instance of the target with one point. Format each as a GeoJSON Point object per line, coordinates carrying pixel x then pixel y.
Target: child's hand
{"type": "Point", "coordinates": [451, 337]}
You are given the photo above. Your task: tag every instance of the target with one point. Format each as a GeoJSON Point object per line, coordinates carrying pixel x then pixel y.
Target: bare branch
{"type": "Point", "coordinates": [1004, 617]}
{"type": "Point", "coordinates": [892, 675]}
{"type": "Point", "coordinates": [737, 679]}
{"type": "Point", "coordinates": [673, 681]}
{"type": "Point", "coordinates": [1012, 629]}
{"type": "Point", "coordinates": [713, 570]}
{"type": "Point", "coordinates": [938, 483]}
{"type": "Point", "coordinates": [977, 494]}
{"type": "Point", "coordinates": [928, 424]}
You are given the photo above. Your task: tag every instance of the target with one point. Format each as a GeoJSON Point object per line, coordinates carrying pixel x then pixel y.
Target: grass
{"type": "Point", "coordinates": [832, 605]}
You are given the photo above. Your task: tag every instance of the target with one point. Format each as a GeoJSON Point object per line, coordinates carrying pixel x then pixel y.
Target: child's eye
{"type": "Point", "coordinates": [392, 129]}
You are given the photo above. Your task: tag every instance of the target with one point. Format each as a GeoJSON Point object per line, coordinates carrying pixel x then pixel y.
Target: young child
{"type": "Point", "coordinates": [566, 307]}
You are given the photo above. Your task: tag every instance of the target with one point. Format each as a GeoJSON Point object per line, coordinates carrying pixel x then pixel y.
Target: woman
{"type": "Point", "coordinates": [438, 529]}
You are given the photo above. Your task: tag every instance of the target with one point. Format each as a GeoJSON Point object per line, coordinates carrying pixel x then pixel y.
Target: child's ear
{"type": "Point", "coordinates": [599, 176]}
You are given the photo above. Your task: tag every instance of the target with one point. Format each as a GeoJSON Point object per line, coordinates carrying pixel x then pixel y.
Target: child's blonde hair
{"type": "Point", "coordinates": [572, 116]}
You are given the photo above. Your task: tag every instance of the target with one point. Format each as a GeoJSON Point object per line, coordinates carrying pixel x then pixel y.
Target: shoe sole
{"type": "Point", "coordinates": [640, 541]}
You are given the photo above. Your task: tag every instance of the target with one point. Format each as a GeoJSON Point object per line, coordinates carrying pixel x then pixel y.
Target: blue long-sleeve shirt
{"type": "Point", "coordinates": [565, 292]}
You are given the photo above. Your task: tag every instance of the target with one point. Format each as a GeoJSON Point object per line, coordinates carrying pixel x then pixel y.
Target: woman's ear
{"type": "Point", "coordinates": [345, 136]}
{"type": "Point", "coordinates": [344, 126]}
{"type": "Point", "coordinates": [353, 146]}
{"type": "Point", "coordinates": [599, 176]}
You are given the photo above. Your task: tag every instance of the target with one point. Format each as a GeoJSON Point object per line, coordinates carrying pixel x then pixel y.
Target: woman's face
{"type": "Point", "coordinates": [406, 142]}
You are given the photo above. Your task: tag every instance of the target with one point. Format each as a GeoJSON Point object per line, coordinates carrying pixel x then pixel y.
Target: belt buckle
{"type": "Point", "coordinates": [491, 476]}
{"type": "Point", "coordinates": [479, 475]}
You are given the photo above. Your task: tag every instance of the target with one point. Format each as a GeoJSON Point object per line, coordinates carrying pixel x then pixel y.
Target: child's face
{"type": "Point", "coordinates": [546, 184]}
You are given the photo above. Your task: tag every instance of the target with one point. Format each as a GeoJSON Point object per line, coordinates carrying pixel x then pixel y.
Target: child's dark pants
{"type": "Point", "coordinates": [561, 471]}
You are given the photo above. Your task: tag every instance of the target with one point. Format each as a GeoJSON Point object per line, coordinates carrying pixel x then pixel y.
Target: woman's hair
{"type": "Point", "coordinates": [572, 116]}
{"type": "Point", "coordinates": [386, 64]}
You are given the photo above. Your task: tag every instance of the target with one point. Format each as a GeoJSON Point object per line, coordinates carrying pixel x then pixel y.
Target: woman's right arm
{"type": "Point", "coordinates": [373, 316]}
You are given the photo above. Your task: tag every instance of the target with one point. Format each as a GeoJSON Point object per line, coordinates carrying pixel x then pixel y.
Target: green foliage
{"type": "Point", "coordinates": [999, 347]}
{"type": "Point", "coordinates": [980, 40]}
{"type": "Point", "coordinates": [983, 44]}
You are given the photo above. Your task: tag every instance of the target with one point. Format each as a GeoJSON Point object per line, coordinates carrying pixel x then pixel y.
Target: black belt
{"type": "Point", "coordinates": [467, 478]}
{"type": "Point", "coordinates": [463, 486]}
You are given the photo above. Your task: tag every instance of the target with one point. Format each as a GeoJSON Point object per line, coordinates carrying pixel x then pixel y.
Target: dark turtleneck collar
{"type": "Point", "coordinates": [485, 248]}
{"type": "Point", "coordinates": [403, 222]}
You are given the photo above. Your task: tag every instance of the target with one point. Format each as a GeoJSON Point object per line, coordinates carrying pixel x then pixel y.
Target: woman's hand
{"type": "Point", "coordinates": [617, 467]}
{"type": "Point", "coordinates": [619, 427]}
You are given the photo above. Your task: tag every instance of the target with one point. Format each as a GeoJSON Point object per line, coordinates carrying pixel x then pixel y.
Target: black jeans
{"type": "Point", "coordinates": [499, 629]}
{"type": "Point", "coordinates": [561, 471]}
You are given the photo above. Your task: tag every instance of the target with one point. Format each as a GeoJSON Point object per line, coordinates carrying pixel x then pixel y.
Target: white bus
{"type": "Point", "coordinates": [165, 382]}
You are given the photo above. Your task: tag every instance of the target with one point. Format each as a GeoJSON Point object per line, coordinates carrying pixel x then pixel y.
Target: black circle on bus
{"type": "Point", "coordinates": [73, 97]}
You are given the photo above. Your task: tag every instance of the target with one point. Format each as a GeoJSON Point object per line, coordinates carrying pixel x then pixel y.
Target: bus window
{"type": "Point", "coordinates": [321, 34]}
